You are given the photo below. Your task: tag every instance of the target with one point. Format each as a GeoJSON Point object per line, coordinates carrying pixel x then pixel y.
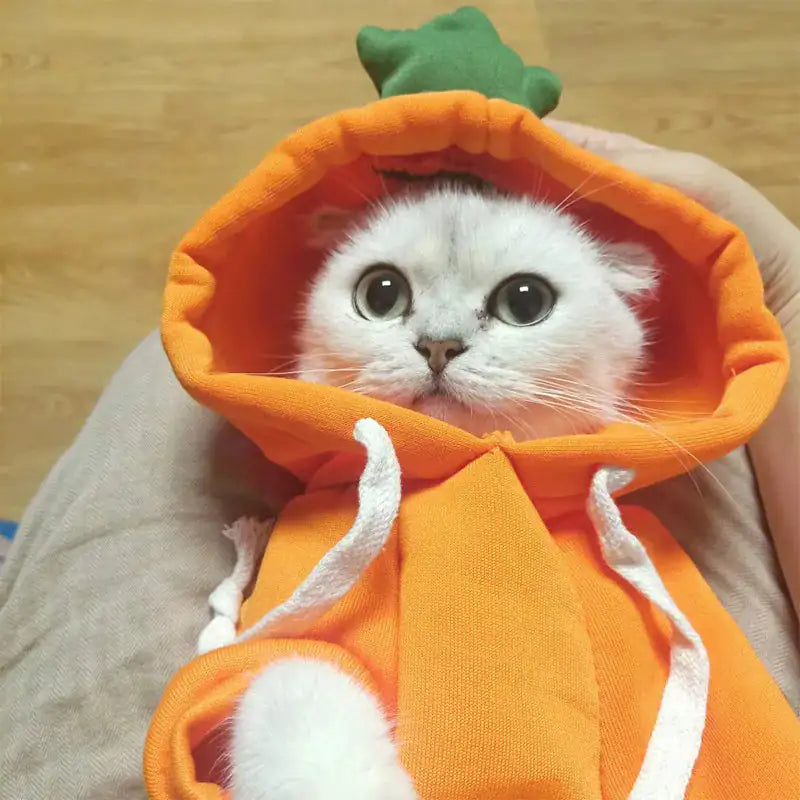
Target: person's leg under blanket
{"type": "Point", "coordinates": [105, 588]}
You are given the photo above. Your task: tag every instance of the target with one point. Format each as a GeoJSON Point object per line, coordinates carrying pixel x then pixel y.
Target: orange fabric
{"type": "Point", "coordinates": [517, 665]}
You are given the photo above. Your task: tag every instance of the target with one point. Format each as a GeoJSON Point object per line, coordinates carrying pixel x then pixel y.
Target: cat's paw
{"type": "Point", "coordinates": [304, 730]}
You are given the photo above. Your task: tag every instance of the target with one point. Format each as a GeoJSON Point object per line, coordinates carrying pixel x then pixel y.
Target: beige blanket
{"type": "Point", "coordinates": [105, 588]}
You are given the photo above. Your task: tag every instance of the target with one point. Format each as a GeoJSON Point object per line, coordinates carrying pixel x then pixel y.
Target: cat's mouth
{"type": "Point", "coordinates": [436, 393]}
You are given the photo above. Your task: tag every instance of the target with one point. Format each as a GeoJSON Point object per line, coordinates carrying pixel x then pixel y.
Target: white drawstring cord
{"type": "Point", "coordinates": [341, 567]}
{"type": "Point", "coordinates": [249, 537]}
{"type": "Point", "coordinates": [336, 572]}
{"type": "Point", "coordinates": [677, 734]}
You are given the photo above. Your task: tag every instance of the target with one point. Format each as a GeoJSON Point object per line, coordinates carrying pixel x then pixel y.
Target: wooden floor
{"type": "Point", "coordinates": [121, 121]}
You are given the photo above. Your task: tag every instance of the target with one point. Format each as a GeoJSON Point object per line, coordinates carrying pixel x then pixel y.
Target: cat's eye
{"type": "Point", "coordinates": [522, 300]}
{"type": "Point", "coordinates": [382, 293]}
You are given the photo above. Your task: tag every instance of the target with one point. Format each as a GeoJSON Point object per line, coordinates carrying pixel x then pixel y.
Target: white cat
{"type": "Point", "coordinates": [484, 310]}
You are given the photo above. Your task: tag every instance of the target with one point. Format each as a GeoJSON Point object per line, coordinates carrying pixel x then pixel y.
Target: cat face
{"type": "Point", "coordinates": [485, 311]}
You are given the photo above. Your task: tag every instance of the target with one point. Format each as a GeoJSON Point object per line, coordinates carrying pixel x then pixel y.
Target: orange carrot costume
{"type": "Point", "coordinates": [527, 648]}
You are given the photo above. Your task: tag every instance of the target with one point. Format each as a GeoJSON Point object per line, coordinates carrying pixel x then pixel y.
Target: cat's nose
{"type": "Point", "coordinates": [439, 352]}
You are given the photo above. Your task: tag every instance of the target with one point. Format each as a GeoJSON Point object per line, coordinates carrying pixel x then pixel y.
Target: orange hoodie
{"type": "Point", "coordinates": [526, 648]}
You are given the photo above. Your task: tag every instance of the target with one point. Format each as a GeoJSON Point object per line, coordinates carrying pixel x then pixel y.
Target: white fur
{"type": "Point", "coordinates": [566, 374]}
{"type": "Point", "coordinates": [304, 730]}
